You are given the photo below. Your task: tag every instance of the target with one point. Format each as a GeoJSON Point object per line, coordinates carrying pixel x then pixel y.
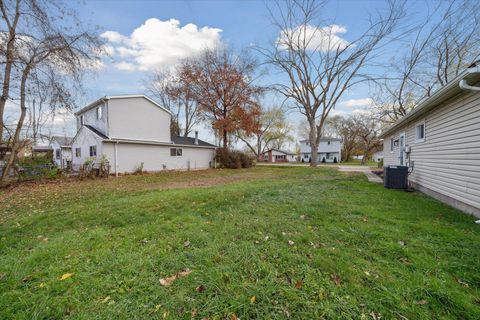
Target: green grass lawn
{"type": "Point", "coordinates": [263, 243]}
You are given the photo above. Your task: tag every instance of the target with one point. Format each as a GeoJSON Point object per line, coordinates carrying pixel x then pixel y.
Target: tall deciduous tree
{"type": "Point", "coordinates": [173, 87]}
{"type": "Point", "coordinates": [443, 44]}
{"type": "Point", "coordinates": [320, 66]}
{"type": "Point", "coordinates": [223, 86]}
{"type": "Point", "coordinates": [49, 46]}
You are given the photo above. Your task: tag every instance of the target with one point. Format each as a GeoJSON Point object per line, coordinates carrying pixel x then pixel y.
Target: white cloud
{"type": "Point", "coordinates": [316, 39]}
{"type": "Point", "coordinates": [126, 66]}
{"type": "Point", "coordinates": [159, 43]}
{"type": "Point", "coordinates": [353, 103]}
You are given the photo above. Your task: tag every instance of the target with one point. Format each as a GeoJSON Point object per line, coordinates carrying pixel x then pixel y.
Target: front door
{"type": "Point", "coordinates": [401, 149]}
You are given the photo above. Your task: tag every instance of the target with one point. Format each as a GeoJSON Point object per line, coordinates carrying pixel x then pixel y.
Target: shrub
{"type": "Point", "coordinates": [335, 160]}
{"type": "Point", "coordinates": [233, 159]}
{"type": "Point", "coordinates": [138, 168]}
{"type": "Point", "coordinates": [323, 160]}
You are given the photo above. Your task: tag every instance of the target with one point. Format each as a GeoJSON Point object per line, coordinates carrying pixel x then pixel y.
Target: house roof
{"type": "Point", "coordinates": [63, 141]}
{"type": "Point", "coordinates": [282, 151]}
{"type": "Point", "coordinates": [324, 139]}
{"type": "Point", "coordinates": [96, 102]}
{"type": "Point", "coordinates": [190, 141]}
{"type": "Point", "coordinates": [451, 89]}
{"type": "Point", "coordinates": [98, 133]}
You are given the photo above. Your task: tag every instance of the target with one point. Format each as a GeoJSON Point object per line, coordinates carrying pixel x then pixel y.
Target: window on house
{"type": "Point", "coordinates": [99, 113]}
{"type": "Point", "coordinates": [328, 154]}
{"type": "Point", "coordinates": [93, 151]}
{"type": "Point", "coordinates": [81, 120]}
{"type": "Point", "coordinates": [420, 132]}
{"type": "Point", "coordinates": [391, 145]}
{"type": "Point", "coordinates": [175, 152]}
{"type": "Point", "coordinates": [57, 153]}
{"type": "Point", "coordinates": [78, 152]}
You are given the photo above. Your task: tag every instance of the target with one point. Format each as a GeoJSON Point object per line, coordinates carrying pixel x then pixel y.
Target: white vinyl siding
{"type": "Point", "coordinates": [448, 161]}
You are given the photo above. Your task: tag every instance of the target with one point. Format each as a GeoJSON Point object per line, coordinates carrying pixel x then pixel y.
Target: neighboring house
{"type": "Point", "coordinates": [62, 151]}
{"type": "Point", "coordinates": [277, 155]}
{"type": "Point", "coordinates": [440, 143]}
{"type": "Point", "coordinates": [329, 150]}
{"type": "Point", "coordinates": [133, 132]}
{"type": "Point", "coordinates": [377, 156]}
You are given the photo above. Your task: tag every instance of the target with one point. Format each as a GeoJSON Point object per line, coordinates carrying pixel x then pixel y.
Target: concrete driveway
{"type": "Point", "coordinates": [372, 177]}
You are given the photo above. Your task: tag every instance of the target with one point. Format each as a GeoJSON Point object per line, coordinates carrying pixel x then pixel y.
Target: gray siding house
{"type": "Point", "coordinates": [329, 150]}
{"type": "Point", "coordinates": [440, 143]}
{"type": "Point", "coordinates": [133, 131]}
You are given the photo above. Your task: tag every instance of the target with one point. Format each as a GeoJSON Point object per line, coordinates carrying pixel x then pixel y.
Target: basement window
{"type": "Point", "coordinates": [78, 152]}
{"type": "Point", "coordinates": [175, 152]}
{"type": "Point", "coordinates": [420, 132]}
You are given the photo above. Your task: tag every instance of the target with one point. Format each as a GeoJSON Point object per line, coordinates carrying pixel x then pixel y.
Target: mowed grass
{"type": "Point", "coordinates": [265, 243]}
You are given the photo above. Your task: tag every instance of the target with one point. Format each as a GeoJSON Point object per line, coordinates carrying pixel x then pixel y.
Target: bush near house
{"type": "Point", "coordinates": [233, 159]}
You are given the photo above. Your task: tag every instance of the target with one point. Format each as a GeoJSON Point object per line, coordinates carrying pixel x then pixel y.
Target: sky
{"type": "Point", "coordinates": [143, 35]}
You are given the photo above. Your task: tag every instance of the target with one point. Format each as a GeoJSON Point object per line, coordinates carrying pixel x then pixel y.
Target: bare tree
{"type": "Point", "coordinates": [51, 52]}
{"type": "Point", "coordinates": [444, 43]}
{"type": "Point", "coordinates": [367, 130]}
{"type": "Point", "coordinates": [319, 65]}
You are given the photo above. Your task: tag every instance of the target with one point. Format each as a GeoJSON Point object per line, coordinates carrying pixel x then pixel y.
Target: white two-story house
{"type": "Point", "coordinates": [132, 132]}
{"type": "Point", "coordinates": [329, 150]}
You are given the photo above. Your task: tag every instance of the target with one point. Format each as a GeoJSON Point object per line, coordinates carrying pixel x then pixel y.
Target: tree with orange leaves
{"type": "Point", "coordinates": [222, 85]}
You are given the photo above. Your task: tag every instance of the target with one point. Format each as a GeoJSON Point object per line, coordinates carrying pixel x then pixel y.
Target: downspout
{"type": "Point", "coordinates": [465, 86]}
{"type": "Point", "coordinates": [116, 156]}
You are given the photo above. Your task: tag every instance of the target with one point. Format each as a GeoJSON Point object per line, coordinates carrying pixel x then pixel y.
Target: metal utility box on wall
{"type": "Point", "coordinates": [395, 177]}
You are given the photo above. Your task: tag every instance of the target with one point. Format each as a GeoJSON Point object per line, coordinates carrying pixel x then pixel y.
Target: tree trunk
{"type": "Point", "coordinates": [225, 139]}
{"type": "Point", "coordinates": [314, 140]}
{"type": "Point", "coordinates": [16, 137]}
{"type": "Point", "coordinates": [6, 83]}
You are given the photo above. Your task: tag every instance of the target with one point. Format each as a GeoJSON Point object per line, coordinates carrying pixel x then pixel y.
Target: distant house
{"type": "Point", "coordinates": [133, 132]}
{"type": "Point", "coordinates": [62, 151]}
{"type": "Point", "coordinates": [329, 150]}
{"type": "Point", "coordinates": [439, 141]}
{"type": "Point", "coordinates": [276, 155]}
{"type": "Point", "coordinates": [377, 156]}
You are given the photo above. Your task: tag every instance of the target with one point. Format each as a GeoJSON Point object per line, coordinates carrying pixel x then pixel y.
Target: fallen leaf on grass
{"type": "Point", "coordinates": [169, 280]}
{"type": "Point", "coordinates": [463, 283]}
{"type": "Point", "coordinates": [253, 299]}
{"type": "Point", "coordinates": [421, 302]}
{"type": "Point", "coordinates": [186, 244]}
{"type": "Point", "coordinates": [200, 288]}
{"type": "Point", "coordinates": [402, 243]}
{"type": "Point", "coordinates": [299, 284]}
{"type": "Point", "coordinates": [233, 317]}
{"type": "Point", "coordinates": [194, 313]}
{"type": "Point", "coordinates": [376, 316]}
{"type": "Point", "coordinates": [291, 243]}
{"type": "Point", "coordinates": [336, 279]}
{"type": "Point", "coordinates": [66, 276]}
{"type": "Point", "coordinates": [41, 285]}
{"type": "Point", "coordinates": [105, 300]}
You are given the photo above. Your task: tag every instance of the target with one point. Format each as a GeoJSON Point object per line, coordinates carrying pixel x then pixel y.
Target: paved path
{"type": "Point", "coordinates": [372, 177]}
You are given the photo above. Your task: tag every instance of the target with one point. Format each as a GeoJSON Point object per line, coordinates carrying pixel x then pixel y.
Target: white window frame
{"type": "Point", "coordinates": [417, 139]}
{"type": "Point", "coordinates": [176, 152]}
{"type": "Point", "coordinates": [99, 113]}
